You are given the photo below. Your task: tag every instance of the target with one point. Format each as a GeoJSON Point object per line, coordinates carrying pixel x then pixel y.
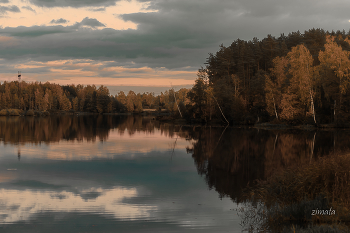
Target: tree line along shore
{"type": "Point", "coordinates": [38, 98]}
{"type": "Point", "coordinates": [299, 78]}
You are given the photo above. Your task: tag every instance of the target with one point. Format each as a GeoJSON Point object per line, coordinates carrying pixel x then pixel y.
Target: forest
{"type": "Point", "coordinates": [295, 78]}
{"type": "Point", "coordinates": [298, 79]}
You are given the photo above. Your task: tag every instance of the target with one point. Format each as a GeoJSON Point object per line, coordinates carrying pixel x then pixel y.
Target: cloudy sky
{"type": "Point", "coordinates": [151, 44]}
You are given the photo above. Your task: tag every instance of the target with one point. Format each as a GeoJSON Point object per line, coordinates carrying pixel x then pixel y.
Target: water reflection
{"type": "Point", "coordinates": [231, 158]}
{"type": "Point", "coordinates": [123, 172]}
{"type": "Point", "coordinates": [85, 137]}
{"type": "Point", "coordinates": [37, 130]}
{"type": "Point", "coordinates": [121, 169]}
{"type": "Point", "coordinates": [22, 205]}
{"type": "Point", "coordinates": [56, 128]}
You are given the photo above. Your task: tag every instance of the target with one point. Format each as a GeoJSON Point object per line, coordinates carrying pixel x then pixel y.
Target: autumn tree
{"type": "Point", "coordinates": [138, 103]}
{"type": "Point", "coordinates": [274, 84]}
{"type": "Point", "coordinates": [148, 99]}
{"type": "Point", "coordinates": [102, 99]}
{"type": "Point", "coordinates": [130, 98]}
{"type": "Point", "coordinates": [64, 103]}
{"type": "Point", "coordinates": [49, 98]}
{"type": "Point", "coordinates": [6, 98]}
{"type": "Point", "coordinates": [121, 105]}
{"type": "Point", "coordinates": [334, 60]}
{"type": "Point", "coordinates": [302, 83]}
{"type": "Point", "coordinates": [90, 98]}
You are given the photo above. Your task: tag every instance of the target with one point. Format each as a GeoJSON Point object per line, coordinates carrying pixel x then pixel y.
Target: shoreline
{"type": "Point", "coordinates": [167, 117]}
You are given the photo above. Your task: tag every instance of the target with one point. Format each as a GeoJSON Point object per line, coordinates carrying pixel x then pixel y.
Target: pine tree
{"type": "Point", "coordinates": [197, 96]}
{"type": "Point", "coordinates": [22, 103]}
{"type": "Point", "coordinates": [1, 101]}
{"type": "Point", "coordinates": [7, 97]}
{"type": "Point", "coordinates": [38, 99]}
{"type": "Point", "coordinates": [16, 103]}
{"type": "Point", "coordinates": [76, 104]}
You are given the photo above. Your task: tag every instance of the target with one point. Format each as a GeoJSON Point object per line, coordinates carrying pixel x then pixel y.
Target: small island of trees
{"type": "Point", "coordinates": [297, 79]}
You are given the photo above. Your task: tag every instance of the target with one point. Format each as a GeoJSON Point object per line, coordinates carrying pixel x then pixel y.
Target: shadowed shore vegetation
{"type": "Point", "coordinates": [301, 197]}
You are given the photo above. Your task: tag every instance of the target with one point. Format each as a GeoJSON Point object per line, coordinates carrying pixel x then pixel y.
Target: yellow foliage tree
{"type": "Point", "coordinates": [334, 58]}
{"type": "Point", "coordinates": [303, 76]}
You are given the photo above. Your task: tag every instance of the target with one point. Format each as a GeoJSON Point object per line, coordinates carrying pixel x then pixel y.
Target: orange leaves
{"type": "Point", "coordinates": [336, 59]}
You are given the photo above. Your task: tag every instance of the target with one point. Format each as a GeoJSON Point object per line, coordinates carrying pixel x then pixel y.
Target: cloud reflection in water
{"type": "Point", "coordinates": [116, 145]}
{"type": "Point", "coordinates": [22, 205]}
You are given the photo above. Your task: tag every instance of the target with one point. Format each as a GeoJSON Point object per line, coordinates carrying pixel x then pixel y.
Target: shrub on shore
{"type": "Point", "coordinates": [38, 113]}
{"type": "Point", "coordinates": [329, 175]}
{"type": "Point", "coordinates": [30, 112]}
{"type": "Point", "coordinates": [18, 112]}
{"type": "Point", "coordinates": [45, 113]}
{"type": "Point", "coordinates": [3, 112]}
{"type": "Point", "coordinates": [10, 112]}
{"type": "Point", "coordinates": [13, 112]}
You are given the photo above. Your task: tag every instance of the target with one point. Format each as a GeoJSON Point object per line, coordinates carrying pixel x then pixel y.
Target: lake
{"type": "Point", "coordinates": [135, 174]}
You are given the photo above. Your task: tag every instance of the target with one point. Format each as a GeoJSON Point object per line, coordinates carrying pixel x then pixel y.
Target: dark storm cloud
{"type": "Point", "coordinates": [89, 22]}
{"type": "Point", "coordinates": [34, 31]}
{"type": "Point", "coordinates": [28, 8]}
{"type": "Point", "coordinates": [13, 8]}
{"type": "Point", "coordinates": [37, 31]}
{"type": "Point", "coordinates": [72, 3]}
{"type": "Point", "coordinates": [58, 21]}
{"type": "Point", "coordinates": [180, 34]}
{"type": "Point", "coordinates": [4, 1]}
{"type": "Point", "coordinates": [98, 9]}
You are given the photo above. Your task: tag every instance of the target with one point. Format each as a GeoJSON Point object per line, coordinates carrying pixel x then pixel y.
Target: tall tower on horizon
{"type": "Point", "coordinates": [19, 76]}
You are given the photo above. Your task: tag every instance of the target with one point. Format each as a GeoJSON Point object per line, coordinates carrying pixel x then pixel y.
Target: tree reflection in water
{"type": "Point", "coordinates": [229, 158]}
{"type": "Point", "coordinates": [35, 130]}
{"type": "Point", "coordinates": [243, 155]}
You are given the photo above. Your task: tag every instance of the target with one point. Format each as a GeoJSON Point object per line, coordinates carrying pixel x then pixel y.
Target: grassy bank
{"type": "Point", "coordinates": [316, 193]}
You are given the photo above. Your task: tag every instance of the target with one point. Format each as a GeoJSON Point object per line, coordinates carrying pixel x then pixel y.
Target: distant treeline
{"type": "Point", "coordinates": [299, 78]}
{"type": "Point", "coordinates": [53, 97]}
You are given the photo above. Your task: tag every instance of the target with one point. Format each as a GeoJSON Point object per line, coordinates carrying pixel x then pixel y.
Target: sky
{"type": "Point", "coordinates": [147, 46]}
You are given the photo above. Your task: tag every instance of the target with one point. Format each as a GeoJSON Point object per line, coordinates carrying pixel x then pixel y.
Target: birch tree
{"type": "Point", "coordinates": [303, 75]}
{"type": "Point", "coordinates": [274, 85]}
{"type": "Point", "coordinates": [336, 60]}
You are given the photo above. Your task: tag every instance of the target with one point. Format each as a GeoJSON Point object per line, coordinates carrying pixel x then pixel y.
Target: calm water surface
{"type": "Point", "coordinates": [133, 174]}
{"type": "Point", "coordinates": [103, 174]}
